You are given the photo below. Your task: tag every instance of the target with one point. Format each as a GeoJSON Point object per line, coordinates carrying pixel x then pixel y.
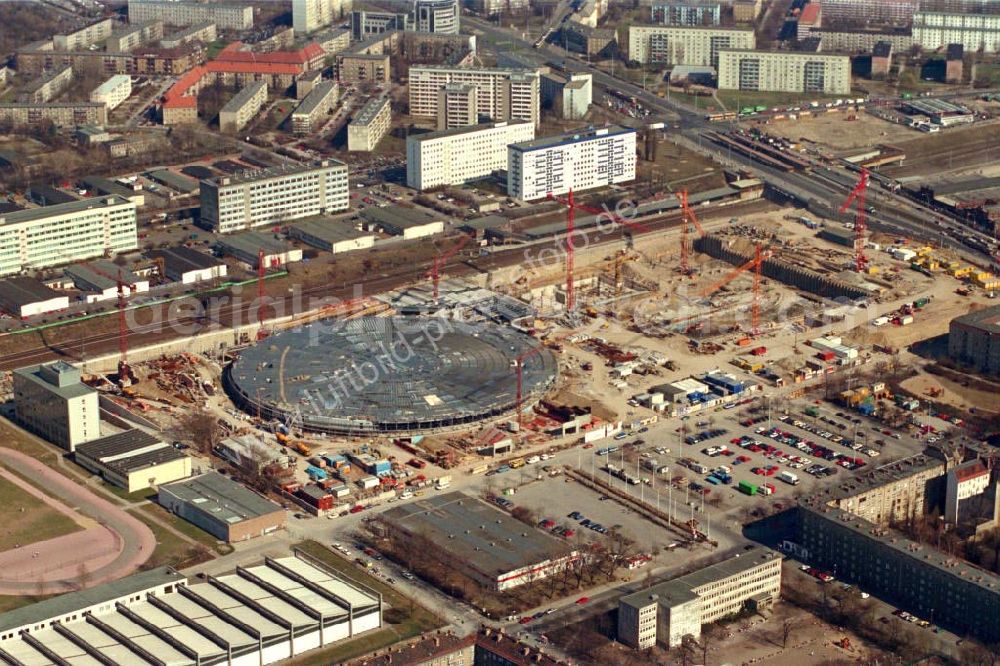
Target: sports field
{"type": "Point", "coordinates": [26, 519]}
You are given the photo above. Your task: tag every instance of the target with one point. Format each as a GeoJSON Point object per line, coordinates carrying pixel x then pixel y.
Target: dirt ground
{"type": "Point", "coordinates": [836, 132]}
{"type": "Point", "coordinates": [952, 392]}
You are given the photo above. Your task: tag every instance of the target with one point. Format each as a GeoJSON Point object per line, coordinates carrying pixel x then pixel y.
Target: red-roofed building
{"type": "Point", "coordinates": [811, 17]}
{"type": "Point", "coordinates": [966, 482]}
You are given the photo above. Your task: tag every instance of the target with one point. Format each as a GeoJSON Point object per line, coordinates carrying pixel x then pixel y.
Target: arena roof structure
{"type": "Point", "coordinates": [390, 374]}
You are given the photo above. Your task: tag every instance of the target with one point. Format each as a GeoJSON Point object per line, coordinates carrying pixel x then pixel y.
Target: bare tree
{"type": "Point", "coordinates": [202, 427]}
{"type": "Point", "coordinates": [788, 625]}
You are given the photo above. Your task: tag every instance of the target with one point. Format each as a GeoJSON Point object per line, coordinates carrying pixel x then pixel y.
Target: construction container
{"type": "Point", "coordinates": [747, 488]}
{"type": "Point", "coordinates": [826, 356]}
{"type": "Point", "coordinates": [905, 320]}
{"type": "Point", "coordinates": [759, 351]}
{"type": "Point", "coordinates": [921, 302]}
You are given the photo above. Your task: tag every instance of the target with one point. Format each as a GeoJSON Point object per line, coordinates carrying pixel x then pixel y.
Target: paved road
{"type": "Point", "coordinates": [137, 541]}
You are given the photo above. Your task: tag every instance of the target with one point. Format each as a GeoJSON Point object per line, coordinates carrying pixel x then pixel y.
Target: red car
{"type": "Point", "coordinates": [525, 620]}
{"type": "Point", "coordinates": [568, 533]}
{"type": "Point", "coordinates": [357, 508]}
{"type": "Point", "coordinates": [583, 600]}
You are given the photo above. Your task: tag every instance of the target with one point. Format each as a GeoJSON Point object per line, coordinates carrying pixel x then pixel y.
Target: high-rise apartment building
{"type": "Point", "coordinates": [574, 161]}
{"type": "Point", "coordinates": [975, 32]}
{"type": "Point", "coordinates": [685, 45]}
{"type": "Point", "coordinates": [462, 155]}
{"type": "Point", "coordinates": [440, 16]}
{"type": "Point", "coordinates": [784, 71]}
{"type": "Point", "coordinates": [54, 235]}
{"type": "Point", "coordinates": [311, 15]}
{"type": "Point", "coordinates": [686, 12]}
{"type": "Point", "coordinates": [225, 16]}
{"type": "Point", "coordinates": [869, 12]}
{"type": "Point", "coordinates": [457, 106]}
{"type": "Point", "coordinates": [501, 94]}
{"type": "Point", "coordinates": [273, 196]}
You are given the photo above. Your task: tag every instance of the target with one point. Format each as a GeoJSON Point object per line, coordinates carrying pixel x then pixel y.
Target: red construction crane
{"type": "Point", "coordinates": [441, 259]}
{"type": "Point", "coordinates": [857, 195]}
{"type": "Point", "coordinates": [756, 264]}
{"type": "Point", "coordinates": [124, 371]}
{"type": "Point", "coordinates": [689, 218]}
{"type": "Point", "coordinates": [261, 294]}
{"type": "Point", "coordinates": [571, 207]}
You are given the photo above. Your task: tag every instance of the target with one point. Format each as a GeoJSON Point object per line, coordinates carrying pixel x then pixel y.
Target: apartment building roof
{"type": "Point", "coordinates": [34, 214]}
{"type": "Point", "coordinates": [800, 54]}
{"type": "Point", "coordinates": [880, 475]}
{"type": "Point", "coordinates": [694, 28]}
{"type": "Point", "coordinates": [235, 53]}
{"type": "Point", "coordinates": [315, 97]}
{"type": "Point", "coordinates": [586, 134]}
{"type": "Point", "coordinates": [468, 129]}
{"type": "Point", "coordinates": [987, 319]}
{"type": "Point", "coordinates": [240, 99]}
{"type": "Point", "coordinates": [278, 171]}
{"type": "Point", "coordinates": [370, 111]}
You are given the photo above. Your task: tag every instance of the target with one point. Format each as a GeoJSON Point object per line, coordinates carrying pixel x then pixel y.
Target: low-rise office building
{"type": "Point", "coordinates": [975, 32]}
{"type": "Point", "coordinates": [409, 223]}
{"type": "Point", "coordinates": [222, 507]}
{"type": "Point", "coordinates": [371, 123]}
{"type": "Point", "coordinates": [25, 297]}
{"type": "Point", "coordinates": [502, 94]}
{"type": "Point", "coordinates": [252, 247]}
{"type": "Point", "coordinates": [784, 71]}
{"type": "Point", "coordinates": [187, 265]}
{"type": "Point", "coordinates": [276, 195]}
{"type": "Point", "coordinates": [87, 36]}
{"type": "Point", "coordinates": [685, 45]}
{"type": "Point", "coordinates": [52, 402]}
{"type": "Point", "coordinates": [241, 109]}
{"type": "Point", "coordinates": [331, 235]}
{"type": "Point", "coordinates": [462, 155]}
{"type": "Point", "coordinates": [134, 36]}
{"type": "Point", "coordinates": [315, 108]}
{"type": "Point", "coordinates": [46, 87]}
{"type": "Point", "coordinates": [574, 161]}
{"type": "Point", "coordinates": [133, 460]}
{"type": "Point", "coordinates": [98, 280]}
{"type": "Point", "coordinates": [98, 186]}
{"type": "Point", "coordinates": [113, 92]}
{"type": "Point", "coordinates": [226, 16]}
{"type": "Point", "coordinates": [55, 235]}
{"type": "Point", "coordinates": [204, 32]}
{"type": "Point", "coordinates": [974, 340]}
{"type": "Point", "coordinates": [365, 24]}
{"type": "Point", "coordinates": [665, 613]}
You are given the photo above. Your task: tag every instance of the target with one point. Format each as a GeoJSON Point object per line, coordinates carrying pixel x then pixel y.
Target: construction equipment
{"type": "Point", "coordinates": [261, 295]}
{"type": "Point", "coordinates": [688, 218]}
{"type": "Point", "coordinates": [441, 259]}
{"type": "Point", "coordinates": [125, 376]}
{"type": "Point", "coordinates": [857, 196]}
{"type": "Point", "coordinates": [571, 207]}
{"type": "Point", "coordinates": [756, 265]}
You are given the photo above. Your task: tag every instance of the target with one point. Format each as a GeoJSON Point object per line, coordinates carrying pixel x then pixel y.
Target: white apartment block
{"type": "Point", "coordinates": [685, 45]}
{"type": "Point", "coordinates": [373, 122]}
{"type": "Point", "coordinates": [185, 13]}
{"type": "Point", "coordinates": [315, 107]}
{"type": "Point", "coordinates": [934, 30]}
{"type": "Point", "coordinates": [574, 161]}
{"type": "Point", "coordinates": [462, 155]}
{"type": "Point", "coordinates": [457, 106]}
{"type": "Point", "coordinates": [134, 36]}
{"type": "Point", "coordinates": [273, 196]}
{"type": "Point", "coordinates": [54, 235]}
{"type": "Point", "coordinates": [311, 15]}
{"type": "Point", "coordinates": [113, 92]}
{"type": "Point", "coordinates": [667, 612]}
{"type": "Point", "coordinates": [241, 109]}
{"type": "Point", "coordinates": [84, 37]}
{"type": "Point", "coordinates": [502, 94]}
{"type": "Point", "coordinates": [52, 402]}
{"type": "Point", "coordinates": [199, 32]}
{"type": "Point", "coordinates": [438, 16]}
{"type": "Point", "coordinates": [780, 71]}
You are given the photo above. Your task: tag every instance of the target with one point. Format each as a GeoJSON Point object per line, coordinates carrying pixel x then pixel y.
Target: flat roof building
{"type": "Point", "coordinates": [462, 155]}
{"type": "Point", "coordinates": [503, 94]}
{"type": "Point", "coordinates": [99, 186]}
{"type": "Point", "coordinates": [187, 266]}
{"type": "Point", "coordinates": [25, 297]}
{"type": "Point", "coordinates": [667, 612]}
{"type": "Point", "coordinates": [975, 32]}
{"type": "Point", "coordinates": [331, 235]}
{"type": "Point", "coordinates": [575, 161]}
{"type": "Point", "coordinates": [133, 460]}
{"type": "Point", "coordinates": [46, 87]}
{"type": "Point", "coordinates": [113, 92]}
{"type": "Point", "coordinates": [687, 12]}
{"type": "Point", "coordinates": [484, 543]}
{"type": "Point", "coordinates": [974, 340]}
{"type": "Point", "coordinates": [410, 223]}
{"type": "Point", "coordinates": [569, 98]}
{"type": "Point", "coordinates": [241, 109]}
{"type": "Point", "coordinates": [685, 45]}
{"type": "Point", "coordinates": [134, 36]}
{"type": "Point", "coordinates": [227, 16]}
{"type": "Point", "coordinates": [222, 507]}
{"type": "Point", "coordinates": [457, 106]}
{"type": "Point", "coordinates": [370, 125]}
{"type": "Point", "coordinates": [263, 613]}
{"type": "Point", "coordinates": [54, 235]}
{"type": "Point", "coordinates": [60, 114]}
{"type": "Point", "coordinates": [52, 402]}
{"type": "Point", "coordinates": [100, 279]}
{"type": "Point", "coordinates": [314, 109]}
{"type": "Point", "coordinates": [247, 246]}
{"type": "Point", "coordinates": [277, 195]}
{"type": "Point", "coordinates": [784, 71]}
{"type": "Point", "coordinates": [86, 36]}
{"type": "Point", "coordinates": [204, 32]}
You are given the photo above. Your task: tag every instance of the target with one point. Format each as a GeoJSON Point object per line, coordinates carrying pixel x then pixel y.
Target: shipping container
{"type": "Point", "coordinates": [747, 488]}
{"type": "Point", "coordinates": [759, 351]}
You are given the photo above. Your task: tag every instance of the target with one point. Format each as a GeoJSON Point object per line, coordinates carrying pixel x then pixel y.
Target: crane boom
{"type": "Point", "coordinates": [440, 260]}
{"type": "Point", "coordinates": [757, 266]}
{"type": "Point", "coordinates": [857, 196]}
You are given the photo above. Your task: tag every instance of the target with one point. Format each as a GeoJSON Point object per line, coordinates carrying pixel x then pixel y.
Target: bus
{"type": "Point", "coordinates": [721, 117]}
{"type": "Point", "coordinates": [516, 463]}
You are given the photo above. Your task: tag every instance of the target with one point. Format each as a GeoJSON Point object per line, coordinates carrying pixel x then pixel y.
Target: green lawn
{"type": "Point", "coordinates": [171, 550]}
{"type": "Point", "coordinates": [26, 519]}
{"type": "Point", "coordinates": [989, 73]}
{"type": "Point", "coordinates": [734, 100]}
{"type": "Point", "coordinates": [215, 47]}
{"type": "Point", "coordinates": [161, 515]}
{"type": "Point", "coordinates": [12, 603]}
{"type": "Point", "coordinates": [414, 618]}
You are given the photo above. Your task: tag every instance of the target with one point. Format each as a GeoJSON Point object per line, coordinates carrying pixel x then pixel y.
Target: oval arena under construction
{"type": "Point", "coordinates": [400, 375]}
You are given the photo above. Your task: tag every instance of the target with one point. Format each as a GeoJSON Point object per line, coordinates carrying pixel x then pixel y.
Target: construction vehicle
{"type": "Point", "coordinates": [299, 446]}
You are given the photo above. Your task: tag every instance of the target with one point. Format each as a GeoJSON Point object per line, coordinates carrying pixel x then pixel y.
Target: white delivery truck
{"type": "Point", "coordinates": [789, 478]}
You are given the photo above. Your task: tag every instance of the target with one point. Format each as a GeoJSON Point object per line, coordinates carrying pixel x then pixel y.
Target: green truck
{"type": "Point", "coordinates": [812, 410]}
{"type": "Point", "coordinates": [747, 488]}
